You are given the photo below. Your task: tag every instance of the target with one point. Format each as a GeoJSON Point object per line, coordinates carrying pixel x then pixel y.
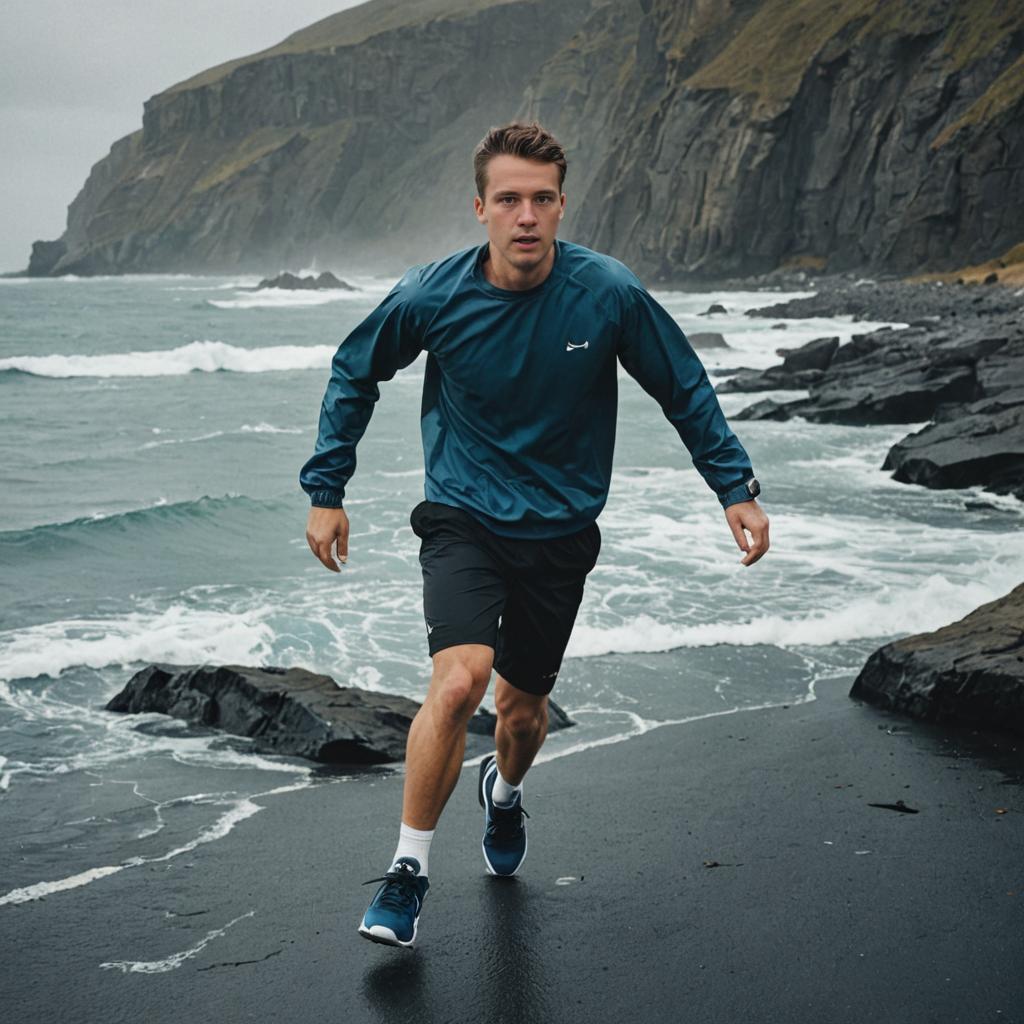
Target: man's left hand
{"type": "Point", "coordinates": [746, 517]}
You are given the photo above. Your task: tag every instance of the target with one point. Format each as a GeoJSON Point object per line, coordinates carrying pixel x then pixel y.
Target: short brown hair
{"type": "Point", "coordinates": [530, 141]}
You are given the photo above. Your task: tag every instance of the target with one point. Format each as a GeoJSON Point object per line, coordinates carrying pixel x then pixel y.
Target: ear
{"type": "Point", "coordinates": [478, 209]}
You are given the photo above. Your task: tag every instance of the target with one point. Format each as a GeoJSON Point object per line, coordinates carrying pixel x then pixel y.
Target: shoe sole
{"type": "Point", "coordinates": [485, 767]}
{"type": "Point", "coordinates": [385, 936]}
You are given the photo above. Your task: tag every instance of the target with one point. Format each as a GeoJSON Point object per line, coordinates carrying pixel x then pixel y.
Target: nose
{"type": "Point", "coordinates": [526, 214]}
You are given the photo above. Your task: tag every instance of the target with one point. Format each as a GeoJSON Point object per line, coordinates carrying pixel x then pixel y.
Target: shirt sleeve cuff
{"type": "Point", "coordinates": [734, 494]}
{"type": "Point", "coordinates": [326, 499]}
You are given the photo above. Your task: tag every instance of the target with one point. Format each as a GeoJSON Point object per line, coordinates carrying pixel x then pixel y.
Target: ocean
{"type": "Point", "coordinates": [153, 430]}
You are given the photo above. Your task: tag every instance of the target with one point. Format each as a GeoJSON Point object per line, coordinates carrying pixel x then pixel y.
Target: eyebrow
{"type": "Point", "coordinates": [513, 192]}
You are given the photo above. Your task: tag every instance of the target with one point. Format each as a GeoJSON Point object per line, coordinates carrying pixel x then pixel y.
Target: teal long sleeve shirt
{"type": "Point", "coordinates": [520, 392]}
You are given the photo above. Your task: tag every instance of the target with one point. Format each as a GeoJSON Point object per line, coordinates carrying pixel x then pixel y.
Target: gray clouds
{"type": "Point", "coordinates": [74, 76]}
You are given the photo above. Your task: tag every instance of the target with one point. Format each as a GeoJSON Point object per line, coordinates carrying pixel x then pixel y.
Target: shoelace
{"type": "Point", "coordinates": [505, 822]}
{"type": "Point", "coordinates": [401, 890]}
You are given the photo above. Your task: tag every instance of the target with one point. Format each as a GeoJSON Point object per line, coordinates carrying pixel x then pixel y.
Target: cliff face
{"type": "Point", "coordinates": [835, 134]}
{"type": "Point", "coordinates": [363, 142]}
{"type": "Point", "coordinates": [705, 137]}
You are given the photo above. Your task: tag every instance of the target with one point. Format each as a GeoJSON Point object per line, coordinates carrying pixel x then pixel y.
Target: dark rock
{"type": "Point", "coordinates": [715, 307]}
{"type": "Point", "coordinates": [815, 355]}
{"type": "Point", "coordinates": [965, 351]}
{"type": "Point", "coordinates": [895, 383]}
{"type": "Point", "coordinates": [775, 378]}
{"type": "Point", "coordinates": [890, 377]}
{"type": "Point", "coordinates": [967, 377]}
{"type": "Point", "coordinates": [707, 339]}
{"type": "Point", "coordinates": [746, 381]}
{"type": "Point", "coordinates": [970, 672]}
{"type": "Point", "coordinates": [290, 711]}
{"type": "Point", "coordinates": [45, 256]}
{"type": "Point", "coordinates": [780, 327]}
{"type": "Point", "coordinates": [1003, 369]}
{"type": "Point", "coordinates": [921, 305]}
{"type": "Point", "coordinates": [769, 409]}
{"type": "Point", "coordinates": [981, 443]}
{"type": "Point", "coordinates": [801, 368]}
{"type": "Point", "coordinates": [908, 393]}
{"type": "Point", "coordinates": [292, 282]}
{"type": "Point", "coordinates": [992, 278]}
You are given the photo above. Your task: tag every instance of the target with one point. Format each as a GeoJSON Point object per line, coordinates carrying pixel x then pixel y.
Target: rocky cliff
{"type": "Point", "coordinates": [707, 137]}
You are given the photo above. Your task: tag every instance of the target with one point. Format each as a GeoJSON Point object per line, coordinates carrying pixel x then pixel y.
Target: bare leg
{"type": "Point", "coordinates": [437, 737]}
{"type": "Point", "coordinates": [521, 729]}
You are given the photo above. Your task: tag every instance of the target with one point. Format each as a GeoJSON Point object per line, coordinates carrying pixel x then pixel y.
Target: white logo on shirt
{"type": "Point", "coordinates": [569, 346]}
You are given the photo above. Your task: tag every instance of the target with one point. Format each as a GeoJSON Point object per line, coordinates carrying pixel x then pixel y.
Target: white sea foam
{"type": "Point", "coordinates": [169, 963]}
{"type": "Point", "coordinates": [245, 428]}
{"type": "Point", "coordinates": [238, 810]}
{"type": "Point", "coordinates": [922, 606]}
{"type": "Point", "coordinates": [203, 356]}
{"type": "Point", "coordinates": [225, 286]}
{"type": "Point", "coordinates": [99, 278]}
{"type": "Point", "coordinates": [180, 634]}
{"type": "Point", "coordinates": [282, 298]}
{"type": "Point", "coordinates": [268, 428]}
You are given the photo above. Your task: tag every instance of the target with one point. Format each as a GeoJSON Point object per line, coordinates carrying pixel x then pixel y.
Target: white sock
{"type": "Point", "coordinates": [504, 792]}
{"type": "Point", "coordinates": [414, 842]}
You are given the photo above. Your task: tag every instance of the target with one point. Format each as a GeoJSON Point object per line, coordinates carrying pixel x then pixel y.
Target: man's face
{"type": "Point", "coordinates": [521, 209]}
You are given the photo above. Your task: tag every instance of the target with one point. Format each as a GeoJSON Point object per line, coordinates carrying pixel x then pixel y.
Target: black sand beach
{"type": "Point", "coordinates": [821, 908]}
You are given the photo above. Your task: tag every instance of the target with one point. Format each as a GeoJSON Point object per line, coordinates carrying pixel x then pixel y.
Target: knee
{"type": "Point", "coordinates": [522, 719]}
{"type": "Point", "coordinates": [459, 690]}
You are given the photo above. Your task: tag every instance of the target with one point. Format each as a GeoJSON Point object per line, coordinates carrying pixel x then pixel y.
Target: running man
{"type": "Point", "coordinates": [522, 335]}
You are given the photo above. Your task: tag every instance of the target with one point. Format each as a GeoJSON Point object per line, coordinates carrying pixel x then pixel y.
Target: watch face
{"type": "Point", "coordinates": [753, 487]}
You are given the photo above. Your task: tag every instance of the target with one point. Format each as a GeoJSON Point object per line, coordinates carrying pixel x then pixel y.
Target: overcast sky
{"type": "Point", "coordinates": [75, 73]}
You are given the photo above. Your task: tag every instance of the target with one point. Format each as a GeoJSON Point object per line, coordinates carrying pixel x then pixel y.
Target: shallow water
{"type": "Point", "coordinates": [153, 429]}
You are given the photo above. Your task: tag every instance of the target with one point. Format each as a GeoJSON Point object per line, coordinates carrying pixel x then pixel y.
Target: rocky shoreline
{"type": "Point", "coordinates": [957, 366]}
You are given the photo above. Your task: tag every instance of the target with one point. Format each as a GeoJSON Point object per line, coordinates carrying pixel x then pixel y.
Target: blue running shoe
{"type": "Point", "coordinates": [394, 911]}
{"type": "Point", "coordinates": [504, 842]}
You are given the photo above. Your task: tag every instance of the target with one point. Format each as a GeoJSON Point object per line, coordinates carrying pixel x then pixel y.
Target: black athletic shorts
{"type": "Point", "coordinates": [472, 577]}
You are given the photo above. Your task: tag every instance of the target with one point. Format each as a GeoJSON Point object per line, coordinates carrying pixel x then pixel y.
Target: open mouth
{"type": "Point", "coordinates": [526, 241]}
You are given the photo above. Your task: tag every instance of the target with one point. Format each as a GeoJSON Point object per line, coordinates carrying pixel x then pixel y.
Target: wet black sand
{"type": "Point", "coordinates": [793, 925]}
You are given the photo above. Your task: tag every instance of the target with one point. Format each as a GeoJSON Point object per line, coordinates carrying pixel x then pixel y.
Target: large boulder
{"type": "Point", "coordinates": [815, 355]}
{"type": "Point", "coordinates": [970, 672]}
{"type": "Point", "coordinates": [801, 367]}
{"type": "Point", "coordinates": [292, 711]}
{"type": "Point", "coordinates": [979, 443]}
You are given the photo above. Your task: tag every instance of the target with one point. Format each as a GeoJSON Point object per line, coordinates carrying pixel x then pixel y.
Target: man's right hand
{"type": "Point", "coordinates": [324, 527]}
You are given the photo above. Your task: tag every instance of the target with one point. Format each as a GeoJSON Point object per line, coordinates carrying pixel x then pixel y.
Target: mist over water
{"type": "Point", "coordinates": [150, 511]}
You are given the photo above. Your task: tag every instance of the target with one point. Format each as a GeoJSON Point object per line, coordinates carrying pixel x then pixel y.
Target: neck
{"type": "Point", "coordinates": [504, 274]}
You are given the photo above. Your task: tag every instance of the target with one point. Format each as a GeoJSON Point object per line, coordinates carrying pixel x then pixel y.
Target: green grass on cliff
{"type": "Point", "coordinates": [236, 159]}
{"type": "Point", "coordinates": [1005, 92]}
{"type": "Point", "coordinates": [771, 52]}
{"type": "Point", "coordinates": [346, 28]}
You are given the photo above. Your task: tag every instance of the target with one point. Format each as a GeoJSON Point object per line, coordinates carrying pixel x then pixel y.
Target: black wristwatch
{"type": "Point", "coordinates": [745, 491]}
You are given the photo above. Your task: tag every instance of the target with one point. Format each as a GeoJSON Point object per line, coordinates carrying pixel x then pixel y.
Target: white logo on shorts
{"type": "Point", "coordinates": [430, 629]}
